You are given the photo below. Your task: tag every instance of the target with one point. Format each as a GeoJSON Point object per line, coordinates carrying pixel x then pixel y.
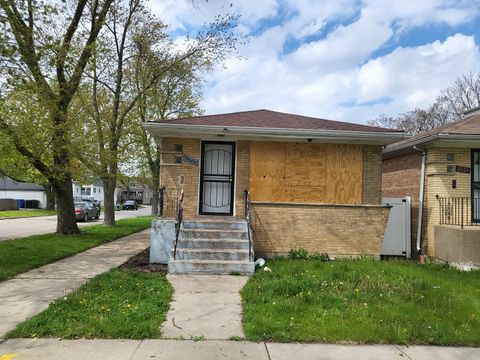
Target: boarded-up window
{"type": "Point", "coordinates": [308, 173]}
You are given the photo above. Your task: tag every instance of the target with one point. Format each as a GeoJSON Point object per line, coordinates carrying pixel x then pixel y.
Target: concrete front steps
{"type": "Point", "coordinates": [212, 247]}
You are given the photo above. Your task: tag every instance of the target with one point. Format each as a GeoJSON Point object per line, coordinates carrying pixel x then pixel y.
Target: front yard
{"type": "Point", "coordinates": [20, 255]}
{"type": "Point", "coordinates": [362, 301]}
{"type": "Point", "coordinates": [7, 214]}
{"type": "Point", "coordinates": [118, 304]}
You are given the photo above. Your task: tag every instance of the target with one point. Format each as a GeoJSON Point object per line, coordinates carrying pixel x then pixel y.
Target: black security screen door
{"type": "Point", "coordinates": [216, 178]}
{"type": "Point", "coordinates": [476, 186]}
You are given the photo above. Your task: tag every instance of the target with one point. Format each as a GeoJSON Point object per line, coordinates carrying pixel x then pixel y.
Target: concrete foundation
{"type": "Point", "coordinates": [459, 247]}
{"type": "Point", "coordinates": [161, 240]}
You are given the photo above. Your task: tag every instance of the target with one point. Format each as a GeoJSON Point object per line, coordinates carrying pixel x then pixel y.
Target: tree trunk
{"type": "Point", "coordinates": [109, 201]}
{"type": "Point", "coordinates": [50, 196]}
{"type": "Point", "coordinates": [66, 221]}
{"type": "Point", "coordinates": [62, 181]}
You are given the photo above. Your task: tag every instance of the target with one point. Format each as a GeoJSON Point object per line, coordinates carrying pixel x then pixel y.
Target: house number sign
{"type": "Point", "coordinates": [462, 169]}
{"type": "Point", "coordinates": [187, 159]}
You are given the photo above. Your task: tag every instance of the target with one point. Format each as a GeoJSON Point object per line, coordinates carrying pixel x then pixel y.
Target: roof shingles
{"type": "Point", "coordinates": [274, 120]}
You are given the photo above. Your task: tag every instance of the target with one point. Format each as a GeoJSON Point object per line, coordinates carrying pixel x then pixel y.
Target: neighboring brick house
{"type": "Point", "coordinates": [313, 183]}
{"type": "Point", "coordinates": [451, 194]}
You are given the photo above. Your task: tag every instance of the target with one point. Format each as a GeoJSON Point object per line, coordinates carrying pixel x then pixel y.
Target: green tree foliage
{"type": "Point", "coordinates": [132, 56]}
{"type": "Point", "coordinates": [46, 47]}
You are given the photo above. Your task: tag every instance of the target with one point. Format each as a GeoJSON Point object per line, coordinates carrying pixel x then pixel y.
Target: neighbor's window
{"type": "Point", "coordinates": [450, 169]}
{"type": "Point", "coordinates": [94, 190]}
{"type": "Point", "coordinates": [86, 191]}
{"type": "Point", "coordinates": [450, 157]}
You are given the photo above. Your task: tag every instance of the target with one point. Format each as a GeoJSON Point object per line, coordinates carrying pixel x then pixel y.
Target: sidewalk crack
{"type": "Point", "coordinates": [403, 352]}
{"type": "Point", "coordinates": [266, 349]}
{"type": "Point", "coordinates": [136, 349]}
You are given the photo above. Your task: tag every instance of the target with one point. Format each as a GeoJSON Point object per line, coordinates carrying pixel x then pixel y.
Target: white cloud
{"type": "Point", "coordinates": [334, 76]}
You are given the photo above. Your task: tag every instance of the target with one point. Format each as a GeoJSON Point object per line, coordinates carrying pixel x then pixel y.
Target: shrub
{"type": "Point", "coordinates": [302, 254]}
{"type": "Point", "coordinates": [298, 254]}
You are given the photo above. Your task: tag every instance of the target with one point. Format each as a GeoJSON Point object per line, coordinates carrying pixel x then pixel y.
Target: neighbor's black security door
{"type": "Point", "coordinates": [217, 175]}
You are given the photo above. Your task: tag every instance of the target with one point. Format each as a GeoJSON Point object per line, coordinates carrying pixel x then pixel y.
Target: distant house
{"type": "Point", "coordinates": [440, 170]}
{"type": "Point", "coordinates": [93, 191]}
{"type": "Point", "coordinates": [137, 191]}
{"type": "Point", "coordinates": [26, 194]}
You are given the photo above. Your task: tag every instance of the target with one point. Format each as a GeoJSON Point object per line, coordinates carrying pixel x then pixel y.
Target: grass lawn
{"type": "Point", "coordinates": [25, 213]}
{"type": "Point", "coordinates": [20, 255]}
{"type": "Point", "coordinates": [117, 304]}
{"type": "Point", "coordinates": [362, 301]}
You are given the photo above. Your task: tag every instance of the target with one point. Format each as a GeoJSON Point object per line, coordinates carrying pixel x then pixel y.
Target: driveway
{"type": "Point", "coordinates": [21, 227]}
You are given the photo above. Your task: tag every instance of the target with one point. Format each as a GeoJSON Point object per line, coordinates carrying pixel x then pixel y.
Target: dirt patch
{"type": "Point", "coordinates": [141, 263]}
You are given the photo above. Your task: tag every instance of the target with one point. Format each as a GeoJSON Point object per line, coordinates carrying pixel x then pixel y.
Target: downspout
{"type": "Point", "coordinates": [420, 198]}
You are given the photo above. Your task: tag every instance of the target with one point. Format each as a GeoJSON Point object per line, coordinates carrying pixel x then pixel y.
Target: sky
{"type": "Point", "coordinates": [336, 59]}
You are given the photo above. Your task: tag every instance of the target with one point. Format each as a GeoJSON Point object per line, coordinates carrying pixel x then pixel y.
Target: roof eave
{"type": "Point", "coordinates": [424, 142]}
{"type": "Point", "coordinates": [384, 137]}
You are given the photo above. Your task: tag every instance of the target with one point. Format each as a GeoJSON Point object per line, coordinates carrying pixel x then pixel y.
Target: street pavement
{"type": "Point", "coordinates": [53, 349]}
{"type": "Point", "coordinates": [31, 292]}
{"type": "Point", "coordinates": [21, 227]}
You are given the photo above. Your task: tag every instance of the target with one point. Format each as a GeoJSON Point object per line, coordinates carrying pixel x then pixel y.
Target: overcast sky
{"type": "Point", "coordinates": [338, 59]}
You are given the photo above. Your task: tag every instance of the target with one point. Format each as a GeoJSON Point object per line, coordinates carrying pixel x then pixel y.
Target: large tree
{"type": "Point", "coordinates": [137, 36]}
{"type": "Point", "coordinates": [48, 45]}
{"type": "Point", "coordinates": [176, 94]}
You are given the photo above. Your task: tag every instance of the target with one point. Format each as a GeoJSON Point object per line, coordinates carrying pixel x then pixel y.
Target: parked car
{"type": "Point", "coordinates": [130, 205]}
{"type": "Point", "coordinates": [85, 211]}
{"type": "Point", "coordinates": [95, 203]}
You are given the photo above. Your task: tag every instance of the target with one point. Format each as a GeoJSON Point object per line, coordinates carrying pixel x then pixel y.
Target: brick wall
{"type": "Point", "coordinates": [439, 182]}
{"type": "Point", "coordinates": [339, 230]}
{"type": "Point", "coordinates": [242, 172]}
{"type": "Point", "coordinates": [400, 178]}
{"type": "Point", "coordinates": [372, 175]}
{"type": "Point", "coordinates": [171, 172]}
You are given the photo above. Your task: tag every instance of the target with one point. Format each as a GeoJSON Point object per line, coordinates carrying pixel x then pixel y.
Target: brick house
{"type": "Point", "coordinates": [313, 183]}
{"type": "Point", "coordinates": [444, 226]}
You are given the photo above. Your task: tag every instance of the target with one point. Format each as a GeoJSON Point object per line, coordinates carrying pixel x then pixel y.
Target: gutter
{"type": "Point", "coordinates": [420, 198]}
{"type": "Point", "coordinates": [282, 132]}
{"type": "Point", "coordinates": [430, 138]}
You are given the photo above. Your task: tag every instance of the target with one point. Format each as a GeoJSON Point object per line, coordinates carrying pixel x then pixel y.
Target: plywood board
{"type": "Point", "coordinates": [344, 174]}
{"type": "Point", "coordinates": [296, 164]}
{"type": "Point", "coordinates": [304, 172]}
{"type": "Point", "coordinates": [317, 157]}
{"type": "Point", "coordinates": [267, 171]}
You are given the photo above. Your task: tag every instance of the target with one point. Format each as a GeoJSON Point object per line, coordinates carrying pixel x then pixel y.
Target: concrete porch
{"type": "Point", "coordinates": [206, 245]}
{"type": "Point", "coordinates": [458, 246]}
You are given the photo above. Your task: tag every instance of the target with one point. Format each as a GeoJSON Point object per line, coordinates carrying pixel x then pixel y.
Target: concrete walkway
{"type": "Point", "coordinates": [30, 293]}
{"type": "Point", "coordinates": [207, 306]}
{"type": "Point", "coordinates": [52, 349]}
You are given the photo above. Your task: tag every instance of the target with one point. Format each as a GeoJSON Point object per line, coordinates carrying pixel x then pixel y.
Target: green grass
{"type": "Point", "coordinates": [117, 304]}
{"type": "Point", "coordinates": [20, 255]}
{"type": "Point", "coordinates": [362, 301]}
{"type": "Point", "coordinates": [5, 214]}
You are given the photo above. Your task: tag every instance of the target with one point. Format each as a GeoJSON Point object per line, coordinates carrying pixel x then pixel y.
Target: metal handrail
{"type": "Point", "coordinates": [248, 217]}
{"type": "Point", "coordinates": [178, 223]}
{"type": "Point", "coordinates": [458, 211]}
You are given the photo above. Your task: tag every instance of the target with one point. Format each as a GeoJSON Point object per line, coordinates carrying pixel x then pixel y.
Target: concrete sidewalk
{"type": "Point", "coordinates": [207, 306]}
{"type": "Point", "coordinates": [30, 293]}
{"type": "Point", "coordinates": [52, 349]}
